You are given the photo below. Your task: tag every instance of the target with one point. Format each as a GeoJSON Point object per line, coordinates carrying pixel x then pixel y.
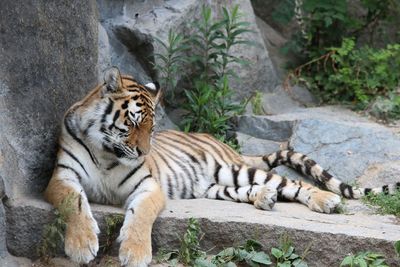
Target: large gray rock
{"type": "Point", "coordinates": [130, 27]}
{"type": "Point", "coordinates": [48, 61]}
{"type": "Point", "coordinates": [342, 142]}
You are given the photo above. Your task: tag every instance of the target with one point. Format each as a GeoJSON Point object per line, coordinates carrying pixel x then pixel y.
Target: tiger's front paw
{"type": "Point", "coordinates": [324, 201]}
{"type": "Point", "coordinates": [81, 243]}
{"type": "Point", "coordinates": [135, 252]}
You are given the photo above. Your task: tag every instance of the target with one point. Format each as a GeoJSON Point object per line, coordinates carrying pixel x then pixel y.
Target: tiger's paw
{"type": "Point", "coordinates": [266, 198]}
{"type": "Point", "coordinates": [81, 242]}
{"type": "Point", "coordinates": [134, 253]}
{"type": "Point", "coordinates": [324, 201]}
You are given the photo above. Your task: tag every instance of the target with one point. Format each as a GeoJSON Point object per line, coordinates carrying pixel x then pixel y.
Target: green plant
{"type": "Point", "coordinates": [284, 255]}
{"type": "Point", "coordinates": [53, 233]}
{"type": "Point", "coordinates": [364, 259]}
{"type": "Point", "coordinates": [256, 103]}
{"type": "Point", "coordinates": [208, 99]}
{"type": "Point", "coordinates": [113, 224]}
{"type": "Point", "coordinates": [397, 248]}
{"type": "Point", "coordinates": [387, 204]}
{"type": "Point", "coordinates": [171, 62]}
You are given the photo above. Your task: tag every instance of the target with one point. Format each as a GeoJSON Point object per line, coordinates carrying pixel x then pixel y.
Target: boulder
{"type": "Point", "coordinates": [47, 63]}
{"type": "Point", "coordinates": [131, 27]}
{"type": "Point", "coordinates": [347, 145]}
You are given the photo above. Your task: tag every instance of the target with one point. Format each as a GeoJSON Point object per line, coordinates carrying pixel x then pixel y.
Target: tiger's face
{"type": "Point", "coordinates": [126, 115]}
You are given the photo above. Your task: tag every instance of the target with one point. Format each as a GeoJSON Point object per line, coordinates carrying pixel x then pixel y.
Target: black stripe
{"type": "Point", "coordinates": [268, 177]}
{"type": "Point", "coordinates": [217, 196]}
{"type": "Point", "coordinates": [282, 184]}
{"type": "Point", "coordinates": [108, 110]}
{"type": "Point", "coordinates": [90, 125]}
{"type": "Point", "coordinates": [309, 164]}
{"type": "Point", "coordinates": [216, 172]}
{"type": "Point", "coordinates": [192, 158]}
{"type": "Point", "coordinates": [226, 193]}
{"type": "Point", "coordinates": [139, 183]}
{"type": "Point", "coordinates": [265, 159]}
{"type": "Point", "coordinates": [169, 180]}
{"type": "Point", "coordinates": [367, 191]}
{"type": "Point", "coordinates": [71, 132]}
{"type": "Point", "coordinates": [113, 165]}
{"type": "Point", "coordinates": [343, 187]}
{"type": "Point", "coordinates": [130, 174]}
{"type": "Point", "coordinates": [74, 158]}
{"type": "Point", "coordinates": [235, 174]}
{"type": "Point", "coordinates": [385, 189]}
{"type": "Point", "coordinates": [80, 203]}
{"type": "Point", "coordinates": [251, 172]}
{"type": "Point", "coordinates": [297, 192]}
{"type": "Point", "coordinates": [326, 176]}
{"type": "Point", "coordinates": [289, 157]}
{"type": "Point", "coordinates": [184, 188]}
{"type": "Point", "coordinates": [398, 186]}
{"type": "Point", "coordinates": [59, 165]}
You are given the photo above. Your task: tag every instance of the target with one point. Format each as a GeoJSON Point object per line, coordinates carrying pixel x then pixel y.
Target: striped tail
{"type": "Point", "coordinates": [322, 178]}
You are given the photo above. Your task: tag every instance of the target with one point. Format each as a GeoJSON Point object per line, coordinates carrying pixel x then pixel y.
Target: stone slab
{"type": "Point", "coordinates": [225, 224]}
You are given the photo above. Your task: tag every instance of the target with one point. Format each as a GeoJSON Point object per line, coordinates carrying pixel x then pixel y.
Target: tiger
{"type": "Point", "coordinates": [109, 153]}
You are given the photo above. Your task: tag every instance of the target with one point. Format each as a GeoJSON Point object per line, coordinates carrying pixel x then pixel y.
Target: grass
{"type": "Point", "coordinates": [386, 204]}
{"type": "Point", "coordinates": [53, 233]}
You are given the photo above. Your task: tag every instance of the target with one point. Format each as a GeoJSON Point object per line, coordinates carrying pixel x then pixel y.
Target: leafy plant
{"type": "Point", "coordinates": [364, 259]}
{"type": "Point", "coordinates": [285, 255]}
{"type": "Point", "coordinates": [53, 233]}
{"type": "Point", "coordinates": [387, 204]}
{"type": "Point", "coordinates": [208, 99]}
{"type": "Point", "coordinates": [171, 62]}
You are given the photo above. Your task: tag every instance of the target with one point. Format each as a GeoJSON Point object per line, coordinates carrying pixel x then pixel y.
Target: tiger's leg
{"type": "Point", "coordinates": [66, 193]}
{"type": "Point", "coordinates": [142, 208]}
{"type": "Point", "coordinates": [240, 176]}
{"type": "Point", "coordinates": [261, 196]}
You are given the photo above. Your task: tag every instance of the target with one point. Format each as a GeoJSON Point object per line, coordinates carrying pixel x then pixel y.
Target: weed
{"type": "Point", "coordinates": [387, 204]}
{"type": "Point", "coordinates": [172, 62]}
{"type": "Point", "coordinates": [284, 255]}
{"type": "Point", "coordinates": [53, 233]}
{"type": "Point", "coordinates": [113, 224]}
{"type": "Point", "coordinates": [364, 259]}
{"type": "Point", "coordinates": [256, 103]}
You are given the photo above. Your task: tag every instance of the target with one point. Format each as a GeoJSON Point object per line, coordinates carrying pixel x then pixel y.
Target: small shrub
{"type": "Point", "coordinates": [364, 259]}
{"type": "Point", "coordinates": [387, 204]}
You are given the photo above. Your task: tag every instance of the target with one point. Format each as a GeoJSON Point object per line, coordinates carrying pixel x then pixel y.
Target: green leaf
{"type": "Point", "coordinates": [347, 261]}
{"type": "Point", "coordinates": [261, 257]}
{"type": "Point", "coordinates": [277, 253]}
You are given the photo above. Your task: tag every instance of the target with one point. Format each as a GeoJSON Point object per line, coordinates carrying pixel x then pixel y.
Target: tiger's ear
{"type": "Point", "coordinates": [155, 91]}
{"type": "Point", "coordinates": [112, 80]}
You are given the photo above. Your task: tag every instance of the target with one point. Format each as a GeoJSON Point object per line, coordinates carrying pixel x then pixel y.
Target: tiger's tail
{"type": "Point", "coordinates": [304, 165]}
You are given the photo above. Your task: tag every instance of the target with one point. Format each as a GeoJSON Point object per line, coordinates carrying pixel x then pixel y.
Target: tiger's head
{"type": "Point", "coordinates": [120, 115]}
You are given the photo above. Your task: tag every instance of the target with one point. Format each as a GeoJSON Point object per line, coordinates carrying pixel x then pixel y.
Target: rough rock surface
{"type": "Point", "coordinates": [346, 144]}
{"type": "Point", "coordinates": [47, 63]}
{"type": "Point", "coordinates": [128, 26]}
{"type": "Point", "coordinates": [228, 223]}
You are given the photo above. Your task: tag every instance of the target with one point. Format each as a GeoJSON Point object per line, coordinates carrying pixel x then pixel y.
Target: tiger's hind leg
{"type": "Point", "coordinates": [242, 183]}
{"type": "Point", "coordinates": [260, 196]}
